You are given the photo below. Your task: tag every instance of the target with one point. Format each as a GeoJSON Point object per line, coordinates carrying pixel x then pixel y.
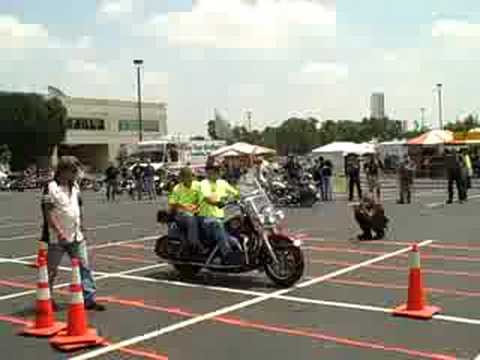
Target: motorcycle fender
{"type": "Point", "coordinates": [278, 240]}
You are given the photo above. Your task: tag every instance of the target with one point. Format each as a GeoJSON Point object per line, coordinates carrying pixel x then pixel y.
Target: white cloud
{"type": "Point", "coordinates": [113, 9]}
{"type": "Point", "coordinates": [319, 73]}
{"type": "Point", "coordinates": [235, 24]}
{"type": "Point", "coordinates": [246, 91]}
{"type": "Point", "coordinates": [16, 35]}
{"type": "Point", "coordinates": [455, 28]}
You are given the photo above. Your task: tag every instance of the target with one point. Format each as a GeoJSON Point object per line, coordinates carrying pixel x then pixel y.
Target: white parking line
{"type": "Point", "coordinates": [235, 307]}
{"type": "Point", "coordinates": [19, 237]}
{"type": "Point", "coordinates": [101, 277]}
{"type": "Point", "coordinates": [3, 218]}
{"type": "Point", "coordinates": [102, 246]}
{"type": "Point", "coordinates": [3, 226]}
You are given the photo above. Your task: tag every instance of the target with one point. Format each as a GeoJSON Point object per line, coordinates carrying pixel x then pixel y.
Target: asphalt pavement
{"type": "Point", "coordinates": [341, 309]}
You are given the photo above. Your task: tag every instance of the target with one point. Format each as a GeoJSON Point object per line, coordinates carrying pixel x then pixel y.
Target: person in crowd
{"type": "Point", "coordinates": [318, 176]}
{"type": "Point", "coordinates": [353, 174]}
{"type": "Point", "coordinates": [405, 181]}
{"type": "Point", "coordinates": [370, 217]}
{"type": "Point", "coordinates": [184, 203]}
{"type": "Point", "coordinates": [292, 168]}
{"type": "Point", "coordinates": [149, 180]}
{"type": "Point", "coordinates": [454, 174]}
{"type": "Point", "coordinates": [372, 170]}
{"type": "Point", "coordinates": [327, 173]}
{"type": "Point", "coordinates": [213, 192]}
{"type": "Point", "coordinates": [469, 169]}
{"type": "Point", "coordinates": [62, 210]}
{"type": "Point", "coordinates": [111, 178]}
{"type": "Point", "coordinates": [137, 173]}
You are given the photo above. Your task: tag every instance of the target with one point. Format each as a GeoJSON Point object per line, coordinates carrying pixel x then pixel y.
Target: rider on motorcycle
{"type": "Point", "coordinates": [213, 192]}
{"type": "Point", "coordinates": [184, 202]}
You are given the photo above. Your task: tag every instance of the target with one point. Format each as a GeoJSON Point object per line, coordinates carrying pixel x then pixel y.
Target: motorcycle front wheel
{"type": "Point", "coordinates": [289, 268]}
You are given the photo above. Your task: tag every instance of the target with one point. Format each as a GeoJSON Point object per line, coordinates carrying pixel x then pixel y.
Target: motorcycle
{"type": "Point", "coordinates": [300, 193]}
{"type": "Point", "coordinates": [253, 224]}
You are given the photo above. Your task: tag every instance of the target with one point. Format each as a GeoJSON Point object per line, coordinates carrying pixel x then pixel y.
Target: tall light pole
{"type": "Point", "coordinates": [138, 63]}
{"type": "Point", "coordinates": [440, 119]}
{"type": "Point", "coordinates": [249, 118]}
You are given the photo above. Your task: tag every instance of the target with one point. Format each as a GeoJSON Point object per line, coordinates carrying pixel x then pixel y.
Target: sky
{"type": "Point", "coordinates": [277, 58]}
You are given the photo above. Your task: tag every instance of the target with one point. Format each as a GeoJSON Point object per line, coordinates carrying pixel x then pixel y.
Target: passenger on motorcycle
{"type": "Point", "coordinates": [184, 203]}
{"type": "Point", "coordinates": [213, 192]}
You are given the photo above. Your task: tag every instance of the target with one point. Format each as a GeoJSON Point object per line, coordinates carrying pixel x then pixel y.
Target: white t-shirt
{"type": "Point", "coordinates": [66, 208]}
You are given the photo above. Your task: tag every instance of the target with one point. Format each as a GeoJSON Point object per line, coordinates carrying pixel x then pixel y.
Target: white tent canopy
{"type": "Point", "coordinates": [345, 148]}
{"type": "Point", "coordinates": [241, 149]}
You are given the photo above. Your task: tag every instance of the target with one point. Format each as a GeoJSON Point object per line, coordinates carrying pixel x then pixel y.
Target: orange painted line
{"type": "Point", "coordinates": [127, 258]}
{"type": "Point", "coordinates": [434, 245]}
{"type": "Point", "coordinates": [138, 352]}
{"type": "Point", "coordinates": [132, 246]}
{"type": "Point", "coordinates": [370, 252]}
{"type": "Point", "coordinates": [286, 330]}
{"type": "Point", "coordinates": [398, 268]}
{"type": "Point", "coordinates": [17, 284]}
{"type": "Point", "coordinates": [393, 286]}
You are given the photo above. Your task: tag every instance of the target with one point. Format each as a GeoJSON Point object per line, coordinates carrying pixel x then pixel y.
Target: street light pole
{"type": "Point", "coordinates": [440, 115]}
{"type": "Point", "coordinates": [422, 123]}
{"type": "Point", "coordinates": [138, 63]}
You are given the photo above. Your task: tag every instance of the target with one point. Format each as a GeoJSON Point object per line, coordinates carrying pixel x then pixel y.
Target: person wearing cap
{"type": "Point", "coordinates": [183, 202]}
{"type": "Point", "coordinates": [370, 216]}
{"type": "Point", "coordinates": [63, 227]}
{"type": "Point", "coordinates": [213, 192]}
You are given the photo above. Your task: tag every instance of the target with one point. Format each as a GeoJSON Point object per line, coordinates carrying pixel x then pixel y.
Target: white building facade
{"type": "Point", "coordinates": [97, 128]}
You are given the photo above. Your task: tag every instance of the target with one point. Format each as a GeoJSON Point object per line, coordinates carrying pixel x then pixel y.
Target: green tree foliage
{"type": "Point", "coordinates": [469, 123]}
{"type": "Point", "coordinates": [5, 154]}
{"type": "Point", "coordinates": [212, 132]}
{"type": "Point", "coordinates": [31, 126]}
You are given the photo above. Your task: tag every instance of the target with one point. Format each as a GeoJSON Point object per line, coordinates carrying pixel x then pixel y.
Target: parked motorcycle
{"type": "Point", "coordinates": [253, 223]}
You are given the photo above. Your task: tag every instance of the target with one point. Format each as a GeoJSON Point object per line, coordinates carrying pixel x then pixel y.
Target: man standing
{"type": "Point", "coordinates": [405, 179]}
{"type": "Point", "coordinates": [372, 170]}
{"type": "Point", "coordinates": [353, 174]}
{"type": "Point", "coordinates": [137, 173]}
{"type": "Point", "coordinates": [212, 192]}
{"type": "Point", "coordinates": [183, 202]}
{"type": "Point", "coordinates": [149, 178]}
{"type": "Point", "coordinates": [454, 174]}
{"type": "Point", "coordinates": [111, 178]}
{"type": "Point", "coordinates": [63, 219]}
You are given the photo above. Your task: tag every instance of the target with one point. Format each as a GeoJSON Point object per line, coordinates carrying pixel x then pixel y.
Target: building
{"type": "Point", "coordinates": [377, 106]}
{"type": "Point", "coordinates": [97, 128]}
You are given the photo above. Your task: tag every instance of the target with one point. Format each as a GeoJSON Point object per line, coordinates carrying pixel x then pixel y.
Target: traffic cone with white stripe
{"type": "Point", "coordinates": [42, 253]}
{"type": "Point", "coordinates": [416, 306]}
{"type": "Point", "coordinates": [45, 324]}
{"type": "Point", "coordinates": [78, 335]}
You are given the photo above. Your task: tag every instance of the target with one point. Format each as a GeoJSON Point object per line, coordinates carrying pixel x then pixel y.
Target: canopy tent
{"type": "Point", "coordinates": [345, 148]}
{"type": "Point", "coordinates": [242, 149]}
{"type": "Point", "coordinates": [433, 137]}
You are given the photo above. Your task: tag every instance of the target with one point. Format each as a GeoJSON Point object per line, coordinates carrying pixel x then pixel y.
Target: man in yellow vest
{"type": "Point", "coordinates": [213, 191]}
{"type": "Point", "coordinates": [184, 202]}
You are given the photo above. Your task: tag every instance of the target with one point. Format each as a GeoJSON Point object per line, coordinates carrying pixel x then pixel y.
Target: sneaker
{"type": "Point", "coordinates": [95, 307]}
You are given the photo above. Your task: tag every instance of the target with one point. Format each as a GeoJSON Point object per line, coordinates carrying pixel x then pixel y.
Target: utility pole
{"type": "Point", "coordinates": [440, 118]}
{"type": "Point", "coordinates": [138, 63]}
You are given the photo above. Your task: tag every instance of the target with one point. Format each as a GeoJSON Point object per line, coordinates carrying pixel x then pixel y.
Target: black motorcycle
{"type": "Point", "coordinates": [252, 222]}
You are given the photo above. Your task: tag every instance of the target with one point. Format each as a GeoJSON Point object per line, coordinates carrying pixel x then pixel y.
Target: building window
{"type": "Point", "coordinates": [133, 125]}
{"type": "Point", "coordinates": [85, 124]}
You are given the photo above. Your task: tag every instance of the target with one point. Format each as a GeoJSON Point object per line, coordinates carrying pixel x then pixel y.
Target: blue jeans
{"type": "Point", "coordinates": [79, 251]}
{"type": "Point", "coordinates": [189, 227]}
{"type": "Point", "coordinates": [214, 231]}
{"type": "Point", "coordinates": [327, 188]}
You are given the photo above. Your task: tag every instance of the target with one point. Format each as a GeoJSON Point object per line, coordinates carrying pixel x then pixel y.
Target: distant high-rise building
{"type": "Point", "coordinates": [377, 106]}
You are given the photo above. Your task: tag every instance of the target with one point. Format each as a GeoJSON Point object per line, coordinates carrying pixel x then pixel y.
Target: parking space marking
{"type": "Point", "coordinates": [100, 277]}
{"type": "Point", "coordinates": [3, 226]}
{"type": "Point", "coordinates": [102, 246]}
{"type": "Point", "coordinates": [94, 228]}
{"type": "Point", "coordinates": [239, 306]}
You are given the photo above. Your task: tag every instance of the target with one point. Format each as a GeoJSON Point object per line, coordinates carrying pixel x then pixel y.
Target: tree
{"type": "Point", "coordinates": [469, 123]}
{"type": "Point", "coordinates": [31, 126]}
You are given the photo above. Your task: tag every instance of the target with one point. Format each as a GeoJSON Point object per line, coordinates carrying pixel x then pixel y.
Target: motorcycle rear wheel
{"type": "Point", "coordinates": [290, 257]}
{"type": "Point", "coordinates": [187, 271]}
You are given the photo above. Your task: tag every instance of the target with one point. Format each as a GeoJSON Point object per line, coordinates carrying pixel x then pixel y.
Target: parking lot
{"type": "Point", "coordinates": [341, 309]}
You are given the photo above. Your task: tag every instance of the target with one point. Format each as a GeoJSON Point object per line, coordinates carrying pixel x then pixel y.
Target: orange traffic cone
{"type": "Point", "coordinates": [42, 253]}
{"type": "Point", "coordinates": [416, 306]}
{"type": "Point", "coordinates": [45, 324]}
{"type": "Point", "coordinates": [78, 335]}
